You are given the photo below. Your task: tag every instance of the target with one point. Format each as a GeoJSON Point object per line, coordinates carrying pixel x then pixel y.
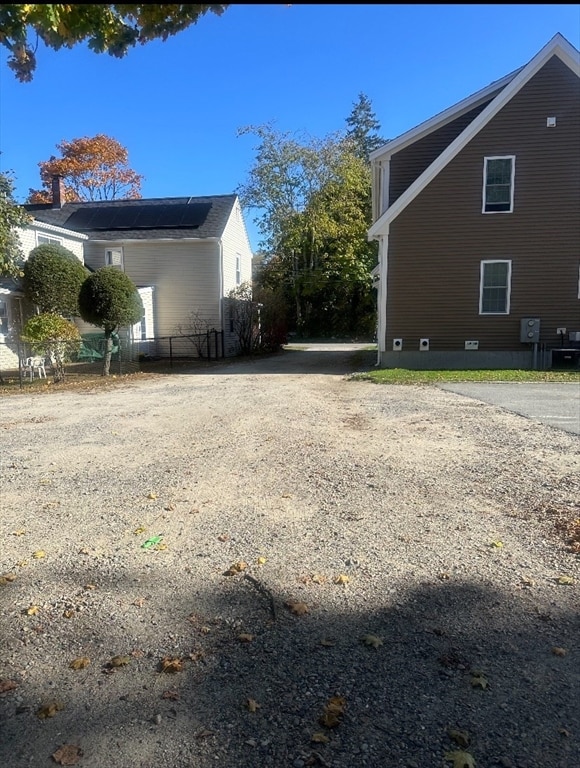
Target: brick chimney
{"type": "Point", "coordinates": [58, 195]}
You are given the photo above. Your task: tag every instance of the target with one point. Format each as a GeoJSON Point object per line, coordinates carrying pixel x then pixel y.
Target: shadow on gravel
{"type": "Point", "coordinates": [433, 642]}
{"type": "Point", "coordinates": [296, 361]}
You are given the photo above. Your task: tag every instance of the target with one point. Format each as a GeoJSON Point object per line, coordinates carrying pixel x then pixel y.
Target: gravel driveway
{"type": "Point", "coordinates": [335, 573]}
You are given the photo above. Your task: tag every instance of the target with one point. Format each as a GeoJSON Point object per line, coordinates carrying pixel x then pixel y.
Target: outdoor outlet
{"type": "Point", "coordinates": [472, 345]}
{"type": "Point", "coordinates": [561, 331]}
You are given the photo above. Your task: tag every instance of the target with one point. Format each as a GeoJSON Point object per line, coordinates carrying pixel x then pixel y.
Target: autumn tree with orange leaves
{"type": "Point", "coordinates": [94, 168]}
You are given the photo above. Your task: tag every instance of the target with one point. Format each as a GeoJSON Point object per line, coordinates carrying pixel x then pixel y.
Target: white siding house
{"type": "Point", "coordinates": [183, 254]}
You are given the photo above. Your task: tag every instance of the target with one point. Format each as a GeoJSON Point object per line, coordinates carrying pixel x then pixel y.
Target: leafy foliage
{"type": "Point", "coordinates": [52, 279]}
{"type": "Point", "coordinates": [54, 337]}
{"type": "Point", "coordinates": [92, 168]}
{"type": "Point", "coordinates": [111, 28]}
{"type": "Point", "coordinates": [12, 216]}
{"type": "Point", "coordinates": [109, 299]}
{"type": "Point", "coordinates": [315, 203]}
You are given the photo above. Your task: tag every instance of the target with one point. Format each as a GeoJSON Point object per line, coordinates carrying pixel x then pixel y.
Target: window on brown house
{"type": "Point", "coordinates": [495, 287]}
{"type": "Point", "coordinates": [498, 184]}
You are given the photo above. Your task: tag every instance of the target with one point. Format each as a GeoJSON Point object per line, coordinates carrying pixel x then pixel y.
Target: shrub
{"type": "Point", "coordinates": [52, 279]}
{"type": "Point", "coordinates": [54, 337]}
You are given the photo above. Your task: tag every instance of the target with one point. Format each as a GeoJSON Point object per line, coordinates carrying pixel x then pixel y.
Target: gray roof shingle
{"type": "Point", "coordinates": [211, 217]}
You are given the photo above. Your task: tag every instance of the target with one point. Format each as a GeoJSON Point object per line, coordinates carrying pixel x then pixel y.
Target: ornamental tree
{"type": "Point", "coordinates": [53, 276]}
{"type": "Point", "coordinates": [91, 168]}
{"type": "Point", "coordinates": [109, 299]}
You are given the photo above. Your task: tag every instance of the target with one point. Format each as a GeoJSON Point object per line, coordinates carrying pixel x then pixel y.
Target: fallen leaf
{"type": "Point", "coordinates": [327, 643]}
{"type": "Point", "coordinates": [565, 580]}
{"type": "Point", "coordinates": [373, 640]}
{"type": "Point", "coordinates": [90, 586]}
{"type": "Point", "coordinates": [319, 738]}
{"type": "Point", "coordinates": [49, 709]}
{"type": "Point", "coordinates": [81, 663]}
{"type": "Point", "coordinates": [32, 611]}
{"type": "Point", "coordinates": [21, 532]}
{"type": "Point", "coordinates": [204, 734]}
{"type": "Point", "coordinates": [39, 554]}
{"type": "Point", "coordinates": [152, 495]}
{"type": "Point", "coordinates": [318, 578]}
{"type": "Point", "coordinates": [170, 665]}
{"type": "Point", "coordinates": [161, 546]}
{"type": "Point", "coordinates": [172, 694]}
{"type": "Point", "coordinates": [262, 560]}
{"type": "Point", "coordinates": [119, 661]}
{"type": "Point", "coordinates": [68, 614]}
{"type": "Point", "coordinates": [22, 563]}
{"type": "Point", "coordinates": [252, 705]}
{"type": "Point", "coordinates": [342, 579]}
{"type": "Point", "coordinates": [140, 529]}
{"type": "Point", "coordinates": [559, 651]}
{"type": "Point", "coordinates": [460, 759]}
{"type": "Point", "coordinates": [137, 653]}
{"type": "Point", "coordinates": [223, 537]}
{"type": "Point", "coordinates": [286, 495]}
{"type": "Point", "coordinates": [478, 680]}
{"type": "Point", "coordinates": [6, 578]}
{"type": "Point", "coordinates": [564, 732]}
{"type": "Point", "coordinates": [7, 685]}
{"type": "Point", "coordinates": [169, 507]}
{"type": "Point", "coordinates": [296, 607]}
{"type": "Point", "coordinates": [333, 711]}
{"type": "Point", "coordinates": [236, 568]}
{"type": "Point", "coordinates": [459, 737]}
{"type": "Point", "coordinates": [498, 544]}
{"type": "Point", "coordinates": [139, 602]}
{"type": "Point", "coordinates": [526, 581]}
{"type": "Point", "coordinates": [244, 637]}
{"type": "Point", "coordinates": [83, 551]}
{"type": "Point", "coordinates": [67, 755]}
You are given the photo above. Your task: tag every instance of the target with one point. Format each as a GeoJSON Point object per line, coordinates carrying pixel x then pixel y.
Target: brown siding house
{"type": "Point", "coordinates": [479, 230]}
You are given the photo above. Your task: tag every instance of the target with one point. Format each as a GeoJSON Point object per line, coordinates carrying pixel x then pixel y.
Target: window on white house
{"type": "Point", "coordinates": [238, 269]}
{"type": "Point", "coordinates": [3, 317]}
{"type": "Point", "coordinates": [47, 240]}
{"type": "Point", "coordinates": [498, 184]}
{"type": "Point", "coordinates": [114, 257]}
{"type": "Point", "coordinates": [495, 287]}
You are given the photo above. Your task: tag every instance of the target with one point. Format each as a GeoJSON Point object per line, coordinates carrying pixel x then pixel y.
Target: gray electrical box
{"type": "Point", "coordinates": [529, 330]}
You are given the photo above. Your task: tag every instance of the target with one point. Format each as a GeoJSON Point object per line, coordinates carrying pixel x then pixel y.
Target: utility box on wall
{"type": "Point", "coordinates": [529, 330]}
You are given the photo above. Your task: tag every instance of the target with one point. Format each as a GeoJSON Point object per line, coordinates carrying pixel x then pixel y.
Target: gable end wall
{"type": "Point", "coordinates": [437, 243]}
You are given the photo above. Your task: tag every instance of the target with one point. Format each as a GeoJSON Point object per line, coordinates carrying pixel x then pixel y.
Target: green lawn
{"type": "Point", "coordinates": [405, 376]}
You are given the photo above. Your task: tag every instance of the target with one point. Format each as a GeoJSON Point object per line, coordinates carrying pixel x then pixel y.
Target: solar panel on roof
{"type": "Point", "coordinates": [140, 216]}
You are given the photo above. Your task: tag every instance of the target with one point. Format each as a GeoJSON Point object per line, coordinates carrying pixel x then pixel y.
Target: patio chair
{"type": "Point", "coordinates": [34, 365]}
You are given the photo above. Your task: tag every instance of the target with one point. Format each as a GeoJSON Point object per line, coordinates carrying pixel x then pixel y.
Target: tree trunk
{"type": "Point", "coordinates": [108, 351]}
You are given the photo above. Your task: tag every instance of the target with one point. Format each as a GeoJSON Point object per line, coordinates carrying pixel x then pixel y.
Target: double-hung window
{"type": "Point", "coordinates": [495, 287]}
{"type": "Point", "coordinates": [47, 240]}
{"type": "Point", "coordinates": [114, 257]}
{"type": "Point", "coordinates": [238, 269]}
{"type": "Point", "coordinates": [498, 184]}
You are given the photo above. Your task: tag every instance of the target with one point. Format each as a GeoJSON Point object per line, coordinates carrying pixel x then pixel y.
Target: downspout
{"type": "Point", "coordinates": [221, 300]}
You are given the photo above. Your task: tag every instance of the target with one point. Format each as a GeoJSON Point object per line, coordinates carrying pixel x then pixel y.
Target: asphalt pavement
{"type": "Point", "coordinates": [555, 404]}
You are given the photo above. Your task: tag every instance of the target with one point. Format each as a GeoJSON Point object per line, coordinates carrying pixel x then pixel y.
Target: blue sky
{"type": "Point", "coordinates": [177, 106]}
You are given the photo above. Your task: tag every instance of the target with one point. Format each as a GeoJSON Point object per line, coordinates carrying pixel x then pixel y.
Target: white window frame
{"type": "Point", "coordinates": [508, 286]}
{"type": "Point", "coordinates": [512, 181]}
{"type": "Point", "coordinates": [5, 317]}
{"type": "Point", "coordinates": [238, 269]}
{"type": "Point", "coordinates": [109, 260]}
{"type": "Point", "coordinates": [48, 239]}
